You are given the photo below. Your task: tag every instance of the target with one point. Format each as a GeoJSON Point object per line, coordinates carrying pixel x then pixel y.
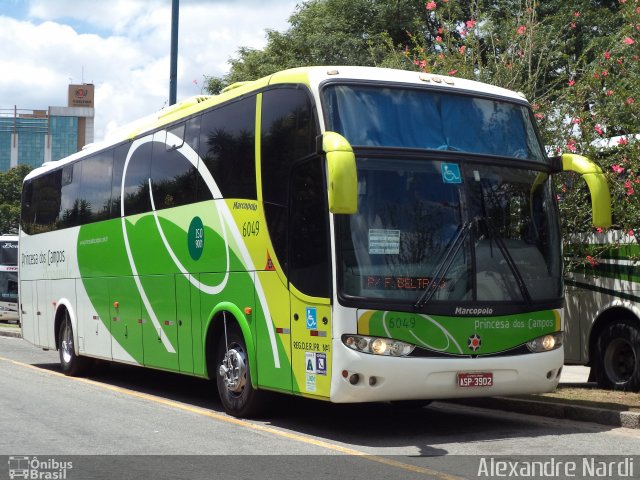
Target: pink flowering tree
{"type": "Point", "coordinates": [600, 99]}
{"type": "Point", "coordinates": [580, 70]}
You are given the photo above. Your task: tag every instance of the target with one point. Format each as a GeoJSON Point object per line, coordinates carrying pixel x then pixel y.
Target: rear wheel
{"type": "Point", "coordinates": [233, 376]}
{"type": "Point", "coordinates": [618, 356]}
{"type": "Point", "coordinates": [71, 364]}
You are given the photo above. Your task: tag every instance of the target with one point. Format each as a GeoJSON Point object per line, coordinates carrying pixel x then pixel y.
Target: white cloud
{"type": "Point", "coordinates": [122, 46]}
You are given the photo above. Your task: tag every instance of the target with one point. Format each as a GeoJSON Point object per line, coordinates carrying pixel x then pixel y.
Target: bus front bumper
{"type": "Point", "coordinates": [360, 377]}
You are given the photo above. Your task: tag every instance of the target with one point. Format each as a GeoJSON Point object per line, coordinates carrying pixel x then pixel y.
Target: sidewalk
{"type": "Point", "coordinates": [575, 376]}
{"type": "Point", "coordinates": [10, 330]}
{"type": "Point", "coordinates": [572, 376]}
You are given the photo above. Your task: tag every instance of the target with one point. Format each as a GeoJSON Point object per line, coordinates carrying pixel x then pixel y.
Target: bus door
{"type": "Point", "coordinates": [45, 314]}
{"type": "Point", "coordinates": [273, 368]}
{"type": "Point", "coordinates": [28, 310]}
{"type": "Point", "coordinates": [126, 320]}
{"type": "Point", "coordinates": [188, 329]}
{"type": "Point", "coordinates": [94, 335]}
{"type": "Point", "coordinates": [310, 279]}
{"type": "Point", "coordinates": [159, 352]}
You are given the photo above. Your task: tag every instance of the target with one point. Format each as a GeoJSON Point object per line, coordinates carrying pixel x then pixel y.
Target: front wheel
{"type": "Point", "coordinates": [618, 356]}
{"type": "Point", "coordinates": [71, 364]}
{"type": "Point", "coordinates": [233, 377]}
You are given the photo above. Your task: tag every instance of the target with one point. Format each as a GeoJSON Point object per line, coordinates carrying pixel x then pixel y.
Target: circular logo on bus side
{"type": "Point", "coordinates": [195, 238]}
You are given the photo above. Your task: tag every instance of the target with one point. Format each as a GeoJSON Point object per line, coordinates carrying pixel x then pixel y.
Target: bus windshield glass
{"type": "Point", "coordinates": [8, 286]}
{"type": "Point", "coordinates": [422, 118]}
{"type": "Point", "coordinates": [8, 253]}
{"type": "Point", "coordinates": [490, 232]}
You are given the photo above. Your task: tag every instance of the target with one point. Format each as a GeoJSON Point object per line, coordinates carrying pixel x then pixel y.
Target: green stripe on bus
{"type": "Point", "coordinates": [595, 288]}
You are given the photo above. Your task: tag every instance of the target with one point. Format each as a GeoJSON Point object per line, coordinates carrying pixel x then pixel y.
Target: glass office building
{"type": "Point", "coordinates": [33, 137]}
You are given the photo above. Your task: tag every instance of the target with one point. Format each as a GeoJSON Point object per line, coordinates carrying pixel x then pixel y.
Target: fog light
{"type": "Point", "coordinates": [354, 379]}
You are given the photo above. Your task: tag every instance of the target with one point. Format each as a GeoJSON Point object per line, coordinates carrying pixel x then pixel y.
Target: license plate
{"type": "Point", "coordinates": [475, 379]}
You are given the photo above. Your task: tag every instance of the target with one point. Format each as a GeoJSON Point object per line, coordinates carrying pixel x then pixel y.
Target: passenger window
{"type": "Point", "coordinates": [173, 177]}
{"type": "Point", "coordinates": [136, 182]}
{"type": "Point", "coordinates": [46, 201]}
{"type": "Point", "coordinates": [95, 187]}
{"type": "Point", "coordinates": [288, 134]}
{"type": "Point", "coordinates": [71, 208]}
{"type": "Point", "coordinates": [27, 212]}
{"type": "Point", "coordinates": [175, 137]}
{"type": "Point", "coordinates": [227, 146]}
{"type": "Point", "coordinates": [309, 230]}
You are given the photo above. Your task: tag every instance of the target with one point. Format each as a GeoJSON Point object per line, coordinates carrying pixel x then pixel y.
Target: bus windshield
{"type": "Point", "coordinates": [410, 218]}
{"type": "Point", "coordinates": [8, 286]}
{"type": "Point", "coordinates": [422, 118]}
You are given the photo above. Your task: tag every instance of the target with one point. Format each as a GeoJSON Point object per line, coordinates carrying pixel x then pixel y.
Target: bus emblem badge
{"type": "Point", "coordinates": [474, 342]}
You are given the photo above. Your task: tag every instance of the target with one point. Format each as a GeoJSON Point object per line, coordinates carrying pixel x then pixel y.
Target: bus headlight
{"type": "Point", "coordinates": [377, 346]}
{"type": "Point", "coordinates": [545, 343]}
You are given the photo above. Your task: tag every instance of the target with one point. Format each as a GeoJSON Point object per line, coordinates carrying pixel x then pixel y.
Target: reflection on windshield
{"type": "Point", "coordinates": [516, 207]}
{"type": "Point", "coordinates": [423, 118]}
{"type": "Point", "coordinates": [9, 287]}
{"type": "Point", "coordinates": [407, 218]}
{"type": "Point", "coordinates": [9, 253]}
{"type": "Point", "coordinates": [406, 237]}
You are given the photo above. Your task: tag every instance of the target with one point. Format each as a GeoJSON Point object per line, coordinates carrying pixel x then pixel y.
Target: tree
{"type": "Point", "coordinates": [10, 197]}
{"type": "Point", "coordinates": [578, 63]}
{"type": "Point", "coordinates": [327, 32]}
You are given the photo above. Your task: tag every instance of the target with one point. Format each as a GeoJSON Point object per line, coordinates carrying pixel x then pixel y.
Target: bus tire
{"type": "Point", "coordinates": [233, 376]}
{"type": "Point", "coordinates": [70, 363]}
{"type": "Point", "coordinates": [618, 356]}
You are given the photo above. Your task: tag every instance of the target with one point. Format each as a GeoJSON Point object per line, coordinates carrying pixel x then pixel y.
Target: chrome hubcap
{"type": "Point", "coordinates": [233, 370]}
{"type": "Point", "coordinates": [67, 344]}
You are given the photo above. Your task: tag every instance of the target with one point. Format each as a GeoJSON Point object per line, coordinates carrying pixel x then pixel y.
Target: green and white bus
{"type": "Point", "coordinates": [603, 313]}
{"type": "Point", "coordinates": [347, 234]}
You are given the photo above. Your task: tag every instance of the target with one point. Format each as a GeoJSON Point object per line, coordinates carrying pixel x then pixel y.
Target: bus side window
{"type": "Point", "coordinates": [46, 201]}
{"type": "Point", "coordinates": [27, 211]}
{"type": "Point", "coordinates": [309, 269]}
{"type": "Point", "coordinates": [71, 209]}
{"type": "Point", "coordinates": [173, 177]}
{"type": "Point", "coordinates": [136, 184]}
{"type": "Point", "coordinates": [288, 134]}
{"type": "Point", "coordinates": [227, 147]}
{"type": "Point", "coordinates": [95, 187]}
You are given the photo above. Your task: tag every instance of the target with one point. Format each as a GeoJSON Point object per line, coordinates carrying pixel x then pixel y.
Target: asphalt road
{"type": "Point", "coordinates": [132, 413]}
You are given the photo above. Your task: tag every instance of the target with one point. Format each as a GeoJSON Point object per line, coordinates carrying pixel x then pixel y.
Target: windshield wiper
{"type": "Point", "coordinates": [445, 264]}
{"type": "Point", "coordinates": [494, 235]}
{"type": "Point", "coordinates": [509, 259]}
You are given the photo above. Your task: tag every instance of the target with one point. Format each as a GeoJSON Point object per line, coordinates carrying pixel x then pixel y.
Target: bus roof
{"type": "Point", "coordinates": [313, 77]}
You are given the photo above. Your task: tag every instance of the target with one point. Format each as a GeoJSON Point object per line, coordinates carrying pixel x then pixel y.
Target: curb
{"type": "Point", "coordinates": [556, 410]}
{"type": "Point", "coordinates": [15, 332]}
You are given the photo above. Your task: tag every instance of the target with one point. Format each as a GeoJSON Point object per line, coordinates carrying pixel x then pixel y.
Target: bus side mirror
{"type": "Point", "coordinates": [597, 183]}
{"type": "Point", "coordinates": [342, 182]}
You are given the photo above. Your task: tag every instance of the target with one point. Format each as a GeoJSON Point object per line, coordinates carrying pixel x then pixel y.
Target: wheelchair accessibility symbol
{"type": "Point", "coordinates": [451, 173]}
{"type": "Point", "coordinates": [312, 318]}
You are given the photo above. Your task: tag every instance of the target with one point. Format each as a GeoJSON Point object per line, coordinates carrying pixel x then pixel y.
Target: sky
{"type": "Point", "coordinates": [123, 48]}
